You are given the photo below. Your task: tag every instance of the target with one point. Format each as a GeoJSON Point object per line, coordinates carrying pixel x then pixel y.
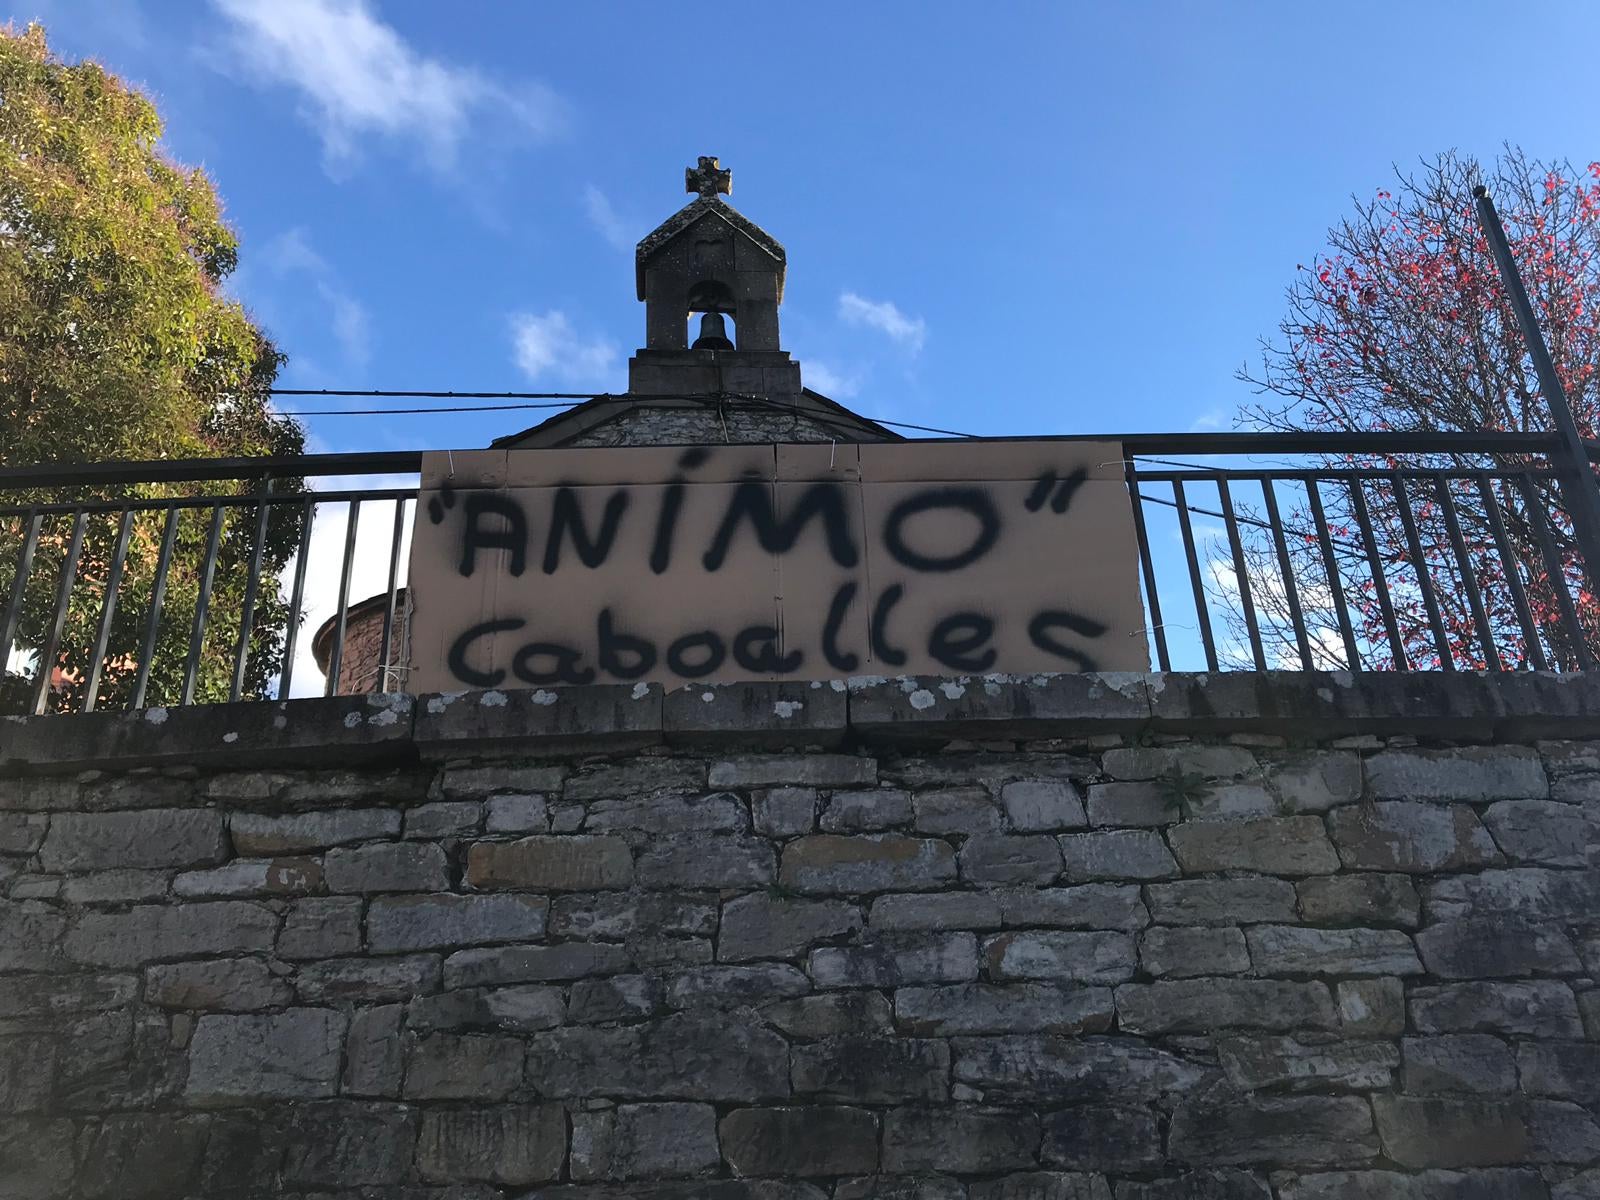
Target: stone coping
{"type": "Point", "coordinates": [346, 730]}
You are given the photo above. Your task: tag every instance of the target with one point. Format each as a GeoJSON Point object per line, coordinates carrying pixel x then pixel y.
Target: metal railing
{"type": "Point", "coordinates": [171, 583]}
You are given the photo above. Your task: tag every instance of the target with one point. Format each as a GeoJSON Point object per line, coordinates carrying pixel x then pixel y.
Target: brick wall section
{"type": "Point", "coordinates": [1062, 938]}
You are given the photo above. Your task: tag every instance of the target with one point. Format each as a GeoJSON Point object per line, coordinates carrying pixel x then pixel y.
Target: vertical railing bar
{"type": "Point", "coordinates": [1241, 573]}
{"type": "Point", "coordinates": [19, 584]}
{"type": "Point", "coordinates": [336, 657]}
{"type": "Point", "coordinates": [1419, 564]}
{"type": "Point", "coordinates": [1330, 564]}
{"type": "Point", "coordinates": [52, 642]}
{"type": "Point", "coordinates": [388, 610]}
{"type": "Point", "coordinates": [202, 605]}
{"type": "Point", "coordinates": [1291, 593]}
{"type": "Point", "coordinates": [1147, 565]}
{"type": "Point", "coordinates": [108, 610]}
{"type": "Point", "coordinates": [1533, 652]}
{"type": "Point", "coordinates": [1469, 577]}
{"type": "Point", "coordinates": [1380, 585]}
{"type": "Point", "coordinates": [1553, 567]}
{"type": "Point", "coordinates": [252, 581]}
{"type": "Point", "coordinates": [158, 595]}
{"type": "Point", "coordinates": [1195, 580]}
{"type": "Point", "coordinates": [296, 595]}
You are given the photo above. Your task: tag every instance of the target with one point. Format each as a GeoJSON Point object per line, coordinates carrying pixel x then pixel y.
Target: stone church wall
{"type": "Point", "coordinates": [1062, 938]}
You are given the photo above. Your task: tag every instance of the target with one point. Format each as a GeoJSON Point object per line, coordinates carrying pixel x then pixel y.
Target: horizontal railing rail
{"type": "Point", "coordinates": [178, 582]}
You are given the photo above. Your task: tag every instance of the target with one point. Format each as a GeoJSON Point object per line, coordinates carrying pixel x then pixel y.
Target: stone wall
{"type": "Point", "coordinates": [1064, 938]}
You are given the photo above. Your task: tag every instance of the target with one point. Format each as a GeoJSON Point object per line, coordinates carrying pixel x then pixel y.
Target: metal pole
{"type": "Point", "coordinates": [1583, 494]}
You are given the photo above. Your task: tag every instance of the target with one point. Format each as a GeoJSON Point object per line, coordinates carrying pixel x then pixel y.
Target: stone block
{"type": "Point", "coordinates": [567, 862]}
{"type": "Point", "coordinates": [617, 915]}
{"type": "Point", "coordinates": [1039, 1070]}
{"type": "Point", "coordinates": [1203, 1005]}
{"type": "Point", "coordinates": [505, 1144]}
{"type": "Point", "coordinates": [109, 887]}
{"type": "Point", "coordinates": [397, 924]}
{"type": "Point", "coordinates": [1544, 1009]}
{"type": "Point", "coordinates": [1312, 781]}
{"type": "Point", "coordinates": [152, 837]}
{"type": "Point", "coordinates": [448, 1066]}
{"type": "Point", "coordinates": [999, 860]}
{"type": "Point", "coordinates": [872, 1070]}
{"type": "Point", "coordinates": [1028, 1185]}
{"type": "Point", "coordinates": [337, 980]}
{"type": "Point", "coordinates": [1087, 906]}
{"type": "Point", "coordinates": [492, 965]}
{"type": "Point", "coordinates": [1371, 1007]}
{"type": "Point", "coordinates": [989, 769]}
{"type": "Point", "coordinates": [1529, 893]}
{"type": "Point", "coordinates": [321, 927]}
{"type": "Point", "coordinates": [373, 1058]}
{"type": "Point", "coordinates": [754, 713]}
{"type": "Point", "coordinates": [387, 867]}
{"type": "Point", "coordinates": [1221, 901]}
{"type": "Point", "coordinates": [155, 932]}
{"type": "Point", "coordinates": [1296, 950]}
{"type": "Point", "coordinates": [1467, 773]}
{"type": "Point", "coordinates": [56, 995]}
{"type": "Point", "coordinates": [1224, 1183]}
{"type": "Point", "coordinates": [1566, 1070]}
{"type": "Point", "coordinates": [252, 877]}
{"type": "Point", "coordinates": [1488, 1184]}
{"type": "Point", "coordinates": [1116, 854]}
{"type": "Point", "coordinates": [959, 1139]}
{"type": "Point", "coordinates": [689, 812]}
{"type": "Point", "coordinates": [1416, 837]}
{"type": "Point", "coordinates": [1006, 706]}
{"type": "Point", "coordinates": [830, 1014]}
{"type": "Point", "coordinates": [1042, 805]}
{"type": "Point", "coordinates": [135, 1156]}
{"type": "Point", "coordinates": [957, 810]}
{"type": "Point", "coordinates": [1486, 947]}
{"type": "Point", "coordinates": [248, 1058]}
{"type": "Point", "coordinates": [1439, 1131]}
{"type": "Point", "coordinates": [516, 814]}
{"type": "Point", "coordinates": [444, 819]}
{"type": "Point", "coordinates": [810, 1141]}
{"type": "Point", "coordinates": [22, 832]}
{"type": "Point", "coordinates": [854, 865]}
{"type": "Point", "coordinates": [1075, 957]}
{"type": "Point", "coordinates": [1295, 1131]}
{"type": "Point", "coordinates": [342, 1144]}
{"type": "Point", "coordinates": [710, 861]}
{"type": "Point", "coordinates": [523, 1009]}
{"type": "Point", "coordinates": [783, 812]}
{"type": "Point", "coordinates": [712, 1057]}
{"type": "Point", "coordinates": [1272, 845]}
{"type": "Point", "coordinates": [1546, 832]}
{"type": "Point", "coordinates": [1257, 1061]}
{"type": "Point", "coordinates": [528, 721]}
{"type": "Point", "coordinates": [1462, 1062]}
{"type": "Point", "coordinates": [31, 937]}
{"type": "Point", "coordinates": [464, 782]}
{"type": "Point", "coordinates": [940, 910]}
{"type": "Point", "coordinates": [794, 770]}
{"type": "Point", "coordinates": [892, 960]}
{"type": "Point", "coordinates": [866, 811]}
{"type": "Point", "coordinates": [654, 1141]}
{"type": "Point", "coordinates": [1363, 899]}
{"type": "Point", "coordinates": [709, 988]}
{"type": "Point", "coordinates": [979, 1008]}
{"type": "Point", "coordinates": [258, 834]}
{"type": "Point", "coordinates": [761, 925]}
{"type": "Point", "coordinates": [619, 998]}
{"type": "Point", "coordinates": [1140, 803]}
{"type": "Point", "coordinates": [1099, 1137]}
{"type": "Point", "coordinates": [223, 985]}
{"type": "Point", "coordinates": [1181, 952]}
{"type": "Point", "coordinates": [1156, 762]}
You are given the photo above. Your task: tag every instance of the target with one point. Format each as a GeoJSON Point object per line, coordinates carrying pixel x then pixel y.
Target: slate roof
{"type": "Point", "coordinates": [692, 212]}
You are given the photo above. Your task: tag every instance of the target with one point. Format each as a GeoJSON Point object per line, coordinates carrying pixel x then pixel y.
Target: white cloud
{"type": "Point", "coordinates": [290, 254]}
{"type": "Point", "coordinates": [604, 218]}
{"type": "Point", "coordinates": [1208, 420]}
{"type": "Point", "coordinates": [836, 385]}
{"type": "Point", "coordinates": [545, 344]}
{"type": "Point", "coordinates": [360, 79]}
{"type": "Point", "coordinates": [883, 316]}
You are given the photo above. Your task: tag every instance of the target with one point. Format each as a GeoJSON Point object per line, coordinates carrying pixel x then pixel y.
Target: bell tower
{"type": "Point", "coordinates": [709, 263]}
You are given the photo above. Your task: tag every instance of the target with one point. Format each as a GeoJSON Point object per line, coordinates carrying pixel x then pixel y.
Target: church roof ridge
{"type": "Point", "coordinates": [692, 212]}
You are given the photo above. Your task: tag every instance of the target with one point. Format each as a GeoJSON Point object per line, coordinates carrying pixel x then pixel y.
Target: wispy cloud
{"type": "Point", "coordinates": [545, 345]}
{"type": "Point", "coordinates": [834, 384]}
{"type": "Point", "coordinates": [885, 317]}
{"type": "Point", "coordinates": [1211, 419]}
{"type": "Point", "coordinates": [605, 219]}
{"type": "Point", "coordinates": [291, 254]}
{"type": "Point", "coordinates": [361, 80]}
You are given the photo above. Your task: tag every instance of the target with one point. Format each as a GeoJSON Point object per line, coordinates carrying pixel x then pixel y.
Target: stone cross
{"type": "Point", "coordinates": [708, 178]}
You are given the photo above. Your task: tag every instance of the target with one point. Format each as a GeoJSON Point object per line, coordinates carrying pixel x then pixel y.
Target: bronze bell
{"type": "Point", "coordinates": [713, 333]}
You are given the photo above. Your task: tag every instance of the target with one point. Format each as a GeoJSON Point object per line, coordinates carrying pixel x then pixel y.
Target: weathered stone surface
{"type": "Point", "coordinates": [152, 837]}
{"type": "Point", "coordinates": [959, 1139]}
{"type": "Point", "coordinates": [1417, 837]}
{"type": "Point", "coordinates": [374, 1057]}
{"type": "Point", "coordinates": [1098, 1137]}
{"type": "Point", "coordinates": [151, 933]}
{"type": "Point", "coordinates": [1303, 1131]}
{"type": "Point", "coordinates": [974, 1008]}
{"type": "Point", "coordinates": [706, 861]}
{"type": "Point", "coordinates": [1076, 957]}
{"type": "Point", "coordinates": [655, 1141]}
{"type": "Point", "coordinates": [687, 1056]}
{"type": "Point", "coordinates": [321, 927]}
{"type": "Point", "coordinates": [1225, 1183]}
{"type": "Point", "coordinates": [510, 1143]}
{"type": "Point", "coordinates": [396, 924]}
{"type": "Point", "coordinates": [223, 985]}
{"type": "Point", "coordinates": [1253, 1062]}
{"type": "Point", "coordinates": [534, 964]}
{"type": "Point", "coordinates": [1463, 1062]}
{"type": "Point", "coordinates": [809, 1141]}
{"type": "Point", "coordinates": [340, 1144]}
{"type": "Point", "coordinates": [22, 832]}
{"type": "Point", "coordinates": [1371, 1007]}
{"type": "Point", "coordinates": [1087, 906]}
{"type": "Point", "coordinates": [890, 960]}
{"type": "Point", "coordinates": [1491, 1184]}
{"type": "Point", "coordinates": [872, 1070]}
{"type": "Point", "coordinates": [1044, 1069]}
{"type": "Point", "coordinates": [1116, 854]}
{"type": "Point", "coordinates": [387, 867]}
{"type": "Point", "coordinates": [1545, 832]}
{"type": "Point", "coordinates": [716, 812]}
{"type": "Point", "coordinates": [619, 998]}
{"type": "Point", "coordinates": [1439, 1131]}
{"type": "Point", "coordinates": [1368, 898]}
{"type": "Point", "coordinates": [370, 979]}
{"type": "Point", "coordinates": [995, 860]}
{"type": "Point", "coordinates": [1133, 804]}
{"type": "Point", "coordinates": [958, 810]}
{"type": "Point", "coordinates": [52, 996]}
{"type": "Point", "coordinates": [1036, 1185]}
{"type": "Point", "coordinates": [1042, 805]}
{"type": "Point", "coordinates": [572, 862]}
{"type": "Point", "coordinates": [991, 770]}
{"type": "Point", "coordinates": [1314, 781]}
{"type": "Point", "coordinates": [1532, 893]}
{"type": "Point", "coordinates": [251, 877]}
{"type": "Point", "coordinates": [1584, 1186]}
{"type": "Point", "coordinates": [472, 783]}
{"type": "Point", "coordinates": [947, 910]}
{"type": "Point", "coordinates": [1535, 1009]}
{"type": "Point", "coordinates": [1221, 901]}
{"type": "Point", "coordinates": [1273, 845]}
{"type": "Point", "coordinates": [1489, 947]}
{"type": "Point", "coordinates": [857, 865]}
{"type": "Point", "coordinates": [448, 1066]}
{"type": "Point", "coordinates": [1296, 950]}
{"type": "Point", "coordinates": [706, 988]}
{"type": "Point", "coordinates": [1569, 1070]}
{"type": "Point", "coordinates": [785, 770]}
{"type": "Point", "coordinates": [1471, 773]}
{"type": "Point", "coordinates": [443, 819]}
{"type": "Point", "coordinates": [259, 834]}
{"type": "Point", "coordinates": [614, 916]}
{"type": "Point", "coordinates": [516, 814]}
{"type": "Point", "coordinates": [111, 887]}
{"type": "Point", "coordinates": [1183, 952]}
{"type": "Point", "coordinates": [783, 811]}
{"type": "Point", "coordinates": [1201, 1005]}
{"type": "Point", "coordinates": [830, 1014]}
{"type": "Point", "coordinates": [764, 926]}
{"type": "Point", "coordinates": [858, 811]}
{"type": "Point", "coordinates": [284, 1055]}
{"type": "Point", "coordinates": [1155, 762]}
{"type": "Point", "coordinates": [640, 777]}
{"type": "Point", "coordinates": [911, 1187]}
{"type": "Point", "coordinates": [134, 1156]}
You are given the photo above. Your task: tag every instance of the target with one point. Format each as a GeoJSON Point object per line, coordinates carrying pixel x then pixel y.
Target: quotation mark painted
{"type": "Point", "coordinates": [436, 506]}
{"type": "Point", "coordinates": [1063, 490]}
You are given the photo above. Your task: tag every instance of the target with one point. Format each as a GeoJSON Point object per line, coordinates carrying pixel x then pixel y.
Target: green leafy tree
{"type": "Point", "coordinates": [116, 343]}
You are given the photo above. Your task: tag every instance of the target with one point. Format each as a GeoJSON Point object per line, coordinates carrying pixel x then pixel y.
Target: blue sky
{"type": "Point", "coordinates": [1013, 219]}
